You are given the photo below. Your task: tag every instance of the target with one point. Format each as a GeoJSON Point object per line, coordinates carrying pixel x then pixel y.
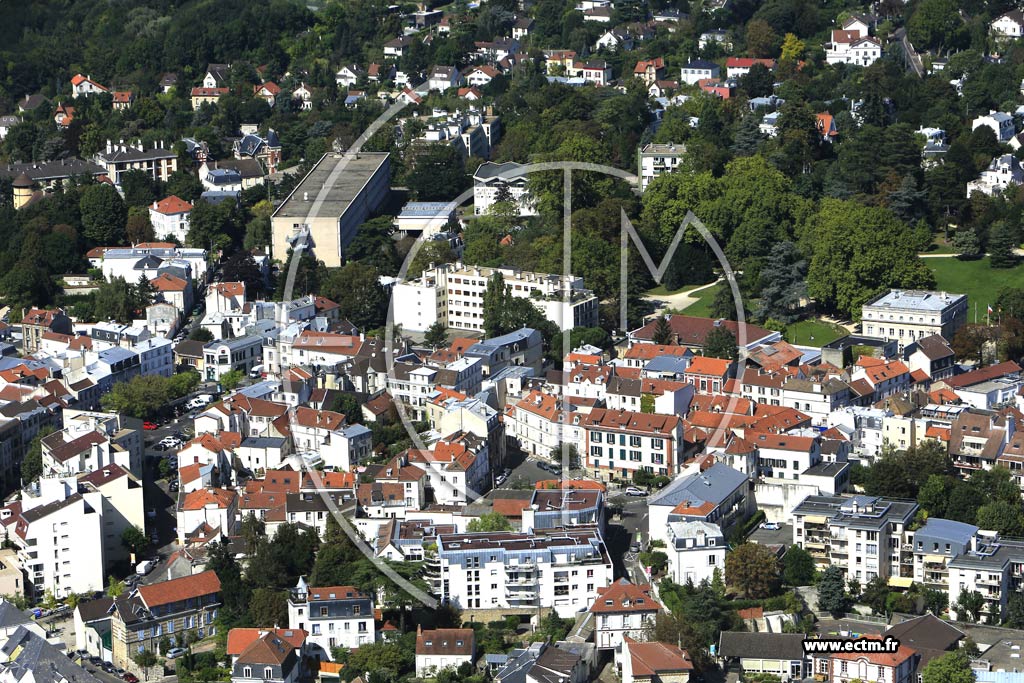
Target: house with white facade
{"type": "Point", "coordinates": [1002, 173]}
{"type": "Point", "coordinates": [618, 443]}
{"type": "Point", "coordinates": [699, 70]}
{"type": "Point", "coordinates": [654, 160]}
{"type": "Point", "coordinates": [169, 217]}
{"type": "Point", "coordinates": [695, 550]}
{"type": "Point", "coordinates": [333, 616]}
{"type": "Point", "coordinates": [443, 648]}
{"type": "Point", "coordinates": [622, 610]}
{"type": "Point", "coordinates": [998, 122]}
{"type": "Point", "coordinates": [1009, 26]}
{"type": "Point", "coordinates": [851, 44]}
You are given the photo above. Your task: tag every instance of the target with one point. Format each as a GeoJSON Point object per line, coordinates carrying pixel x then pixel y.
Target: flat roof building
{"type": "Point", "coordinates": [332, 201]}
{"type": "Point", "coordinates": [905, 315]}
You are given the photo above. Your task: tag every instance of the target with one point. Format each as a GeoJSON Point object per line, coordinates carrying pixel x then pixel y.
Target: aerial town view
{"type": "Point", "coordinates": [512, 341]}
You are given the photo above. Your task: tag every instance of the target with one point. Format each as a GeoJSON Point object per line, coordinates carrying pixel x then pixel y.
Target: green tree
{"type": "Point", "coordinates": [721, 343]}
{"type": "Point", "coordinates": [762, 41]}
{"type": "Point", "coordinates": [357, 290]}
{"type": "Point", "coordinates": [935, 24]}
{"type": "Point", "coordinates": [952, 667]}
{"type": "Point", "coordinates": [970, 605]}
{"type": "Point", "coordinates": [32, 464]}
{"type": "Point", "coordinates": [114, 587]}
{"type": "Point", "coordinates": [142, 396]}
{"type": "Point", "coordinates": [792, 48]}
{"type": "Point", "coordinates": [663, 334]}
{"type": "Point", "coordinates": [200, 334]}
{"type": "Point", "coordinates": [138, 187]}
{"type": "Point", "coordinates": [253, 529]}
{"type": "Point", "coordinates": [1015, 610]}
{"type": "Point", "coordinates": [144, 659]}
{"type": "Point", "coordinates": [436, 335]}
{"type": "Point", "coordinates": [1001, 516]}
{"type": "Point", "coordinates": [134, 539]}
{"type": "Point", "coordinates": [752, 569]}
{"type": "Point", "coordinates": [439, 174]}
{"type": "Point", "coordinates": [784, 287]}
{"type": "Point", "coordinates": [230, 380]}
{"type": "Point", "coordinates": [857, 252]}
{"type": "Point", "coordinates": [489, 521]}
{"type": "Point", "coordinates": [797, 566]}
{"type": "Point", "coordinates": [966, 242]}
{"type": "Point", "coordinates": [1001, 244]}
{"type": "Point", "coordinates": [103, 215]}
{"type": "Point", "coordinates": [832, 596]}
{"type": "Point", "coordinates": [268, 607]}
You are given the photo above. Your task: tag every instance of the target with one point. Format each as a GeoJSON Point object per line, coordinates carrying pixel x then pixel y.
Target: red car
{"type": "Point", "coordinates": [150, 426]}
{"type": "Point", "coordinates": [131, 678]}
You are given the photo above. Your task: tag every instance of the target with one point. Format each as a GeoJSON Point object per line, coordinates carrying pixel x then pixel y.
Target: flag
{"type": "Point", "coordinates": [990, 309]}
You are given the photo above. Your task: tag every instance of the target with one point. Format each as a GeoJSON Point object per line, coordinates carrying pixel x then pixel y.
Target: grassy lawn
{"type": "Point", "coordinates": [801, 333]}
{"type": "Point", "coordinates": [939, 246]}
{"type": "Point", "coordinates": [976, 279]}
{"type": "Point", "coordinates": [701, 307]}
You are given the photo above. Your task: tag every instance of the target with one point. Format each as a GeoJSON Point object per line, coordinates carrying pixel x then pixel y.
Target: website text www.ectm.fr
{"type": "Point", "coordinates": [857, 645]}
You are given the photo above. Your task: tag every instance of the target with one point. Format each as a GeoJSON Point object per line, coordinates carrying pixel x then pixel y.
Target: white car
{"type": "Point", "coordinates": [771, 526]}
{"type": "Point", "coordinates": [634, 491]}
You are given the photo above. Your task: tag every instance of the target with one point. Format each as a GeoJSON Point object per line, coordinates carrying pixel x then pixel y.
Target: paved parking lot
{"type": "Point", "coordinates": [782, 536]}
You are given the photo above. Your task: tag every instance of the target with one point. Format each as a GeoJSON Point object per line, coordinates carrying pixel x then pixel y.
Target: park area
{"type": "Point", "coordinates": [977, 279]}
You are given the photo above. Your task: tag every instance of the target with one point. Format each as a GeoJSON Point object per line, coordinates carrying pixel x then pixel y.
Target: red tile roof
{"type": "Point", "coordinates": [654, 658]}
{"type": "Point", "coordinates": [197, 500]}
{"type": "Point", "coordinates": [624, 596]}
{"type": "Point", "coordinates": [172, 205]}
{"type": "Point", "coordinates": [241, 638]}
{"type": "Point", "coordinates": [177, 590]}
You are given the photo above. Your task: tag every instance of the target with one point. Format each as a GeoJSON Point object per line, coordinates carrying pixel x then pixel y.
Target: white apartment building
{"type": "Point", "coordinates": [655, 159]}
{"type": "Point", "coordinates": [935, 545]}
{"type": "Point", "coordinates": [863, 535]}
{"type": "Point", "coordinates": [453, 294]}
{"type": "Point", "coordinates": [623, 610]}
{"type": "Point", "coordinates": [695, 549]}
{"type": "Point", "coordinates": [59, 535]}
{"type": "Point", "coordinates": [156, 356]}
{"type": "Point", "coordinates": [240, 353]}
{"type": "Point", "coordinates": [906, 315]}
{"type": "Point", "coordinates": [333, 616]}
{"type": "Point", "coordinates": [487, 180]}
{"type": "Point", "coordinates": [560, 569]}
{"type": "Point", "coordinates": [698, 70]}
{"type": "Point", "coordinates": [719, 495]}
{"type": "Point", "coordinates": [618, 443]}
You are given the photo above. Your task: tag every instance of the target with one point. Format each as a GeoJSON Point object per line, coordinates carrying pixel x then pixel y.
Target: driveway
{"type": "Point", "coordinates": [782, 536]}
{"type": "Point", "coordinates": [678, 300]}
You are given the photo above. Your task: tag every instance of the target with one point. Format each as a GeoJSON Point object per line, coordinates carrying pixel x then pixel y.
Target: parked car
{"type": "Point", "coordinates": [130, 678]}
{"type": "Point", "coordinates": [634, 491]}
{"type": "Point", "coordinates": [174, 486]}
{"type": "Point", "coordinates": [175, 652]}
{"type": "Point", "coordinates": [771, 526]}
{"type": "Point", "coordinates": [150, 426]}
{"type": "Point", "coordinates": [500, 479]}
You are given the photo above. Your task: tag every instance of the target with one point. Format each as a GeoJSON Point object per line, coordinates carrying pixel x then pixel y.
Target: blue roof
{"type": "Point", "coordinates": [701, 64]}
{"type": "Point", "coordinates": [713, 485]}
{"type": "Point", "coordinates": [218, 196]}
{"type": "Point", "coordinates": [677, 364]}
{"type": "Point", "coordinates": [999, 676]}
{"type": "Point", "coordinates": [946, 530]}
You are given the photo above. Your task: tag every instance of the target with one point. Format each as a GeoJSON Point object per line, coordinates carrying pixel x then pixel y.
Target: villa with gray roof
{"type": "Point", "coordinates": [906, 316]}
{"type": "Point", "coordinates": [718, 495]}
